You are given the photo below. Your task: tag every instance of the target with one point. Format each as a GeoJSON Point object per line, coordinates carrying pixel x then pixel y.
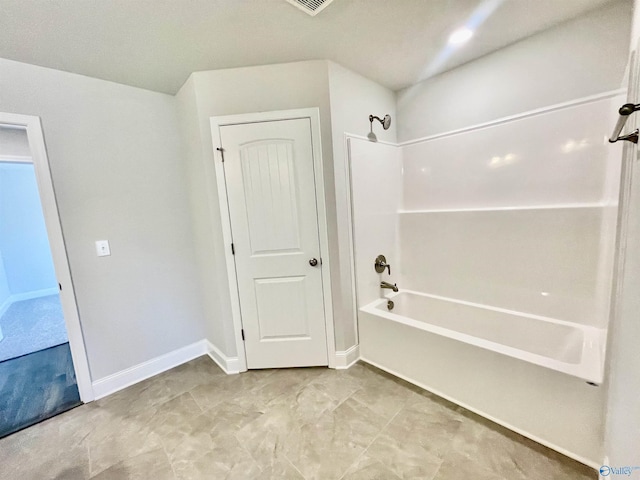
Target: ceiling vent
{"type": "Point", "coordinates": [311, 7]}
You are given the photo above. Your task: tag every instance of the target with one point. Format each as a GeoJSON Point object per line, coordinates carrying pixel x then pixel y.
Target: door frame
{"type": "Point", "coordinates": [313, 114]}
{"type": "Point", "coordinates": [46, 191]}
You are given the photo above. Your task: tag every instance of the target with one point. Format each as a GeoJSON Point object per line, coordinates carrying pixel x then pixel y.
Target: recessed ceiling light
{"type": "Point", "coordinates": [460, 36]}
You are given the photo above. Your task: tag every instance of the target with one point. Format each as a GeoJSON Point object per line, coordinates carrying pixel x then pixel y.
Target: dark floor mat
{"type": "Point", "coordinates": [35, 387]}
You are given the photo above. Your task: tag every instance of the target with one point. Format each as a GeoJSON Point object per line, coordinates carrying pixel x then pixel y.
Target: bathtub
{"type": "Point", "coordinates": [566, 347]}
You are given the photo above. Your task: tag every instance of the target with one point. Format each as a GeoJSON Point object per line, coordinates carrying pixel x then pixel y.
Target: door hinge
{"type": "Point", "coordinates": [221, 150]}
{"type": "Point", "coordinates": [242, 332]}
{"type": "Point", "coordinates": [233, 249]}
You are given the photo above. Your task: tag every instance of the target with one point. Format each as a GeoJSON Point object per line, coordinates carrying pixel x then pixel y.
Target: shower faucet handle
{"type": "Point", "coordinates": [381, 264]}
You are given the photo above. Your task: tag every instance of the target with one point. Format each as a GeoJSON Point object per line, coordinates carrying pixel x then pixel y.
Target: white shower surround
{"type": "Point", "coordinates": [516, 215]}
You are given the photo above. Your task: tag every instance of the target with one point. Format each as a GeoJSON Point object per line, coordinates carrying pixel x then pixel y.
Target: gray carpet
{"type": "Point", "coordinates": [32, 325]}
{"type": "Point", "coordinates": [35, 387]}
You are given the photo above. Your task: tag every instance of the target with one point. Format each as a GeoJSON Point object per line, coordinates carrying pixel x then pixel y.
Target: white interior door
{"type": "Point", "coordinates": [269, 174]}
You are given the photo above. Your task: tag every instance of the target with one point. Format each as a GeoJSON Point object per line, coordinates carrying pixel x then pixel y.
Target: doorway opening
{"type": "Point", "coordinates": [31, 316]}
{"type": "Point", "coordinates": [37, 373]}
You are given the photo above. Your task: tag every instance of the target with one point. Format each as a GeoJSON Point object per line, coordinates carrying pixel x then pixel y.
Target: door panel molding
{"type": "Point", "coordinates": [313, 115]}
{"type": "Point", "coordinates": [268, 327]}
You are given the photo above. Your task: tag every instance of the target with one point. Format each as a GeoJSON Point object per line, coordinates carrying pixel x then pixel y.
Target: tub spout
{"type": "Point", "coordinates": [389, 286]}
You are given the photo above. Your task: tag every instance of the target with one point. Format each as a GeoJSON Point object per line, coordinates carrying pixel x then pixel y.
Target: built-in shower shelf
{"type": "Point", "coordinates": [513, 208]}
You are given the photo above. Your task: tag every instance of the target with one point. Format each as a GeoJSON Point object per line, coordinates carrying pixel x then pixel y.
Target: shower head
{"type": "Point", "coordinates": [386, 121]}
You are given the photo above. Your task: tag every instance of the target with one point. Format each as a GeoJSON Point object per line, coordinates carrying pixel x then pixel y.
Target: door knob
{"type": "Point", "coordinates": [313, 262]}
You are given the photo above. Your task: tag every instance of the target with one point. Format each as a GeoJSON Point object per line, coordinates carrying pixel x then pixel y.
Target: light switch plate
{"type": "Point", "coordinates": [102, 248]}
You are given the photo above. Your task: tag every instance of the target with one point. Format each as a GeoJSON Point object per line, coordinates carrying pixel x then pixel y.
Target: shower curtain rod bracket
{"type": "Point", "coordinates": [631, 137]}
{"type": "Point", "coordinates": [624, 111]}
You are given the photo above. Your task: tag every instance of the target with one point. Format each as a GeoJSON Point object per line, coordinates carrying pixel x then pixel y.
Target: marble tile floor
{"type": "Point", "coordinates": [195, 422]}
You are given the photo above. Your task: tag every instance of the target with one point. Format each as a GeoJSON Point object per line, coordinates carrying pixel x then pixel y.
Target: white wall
{"type": "Point", "coordinates": [353, 98]}
{"type": "Point", "coordinates": [5, 292]}
{"type": "Point", "coordinates": [582, 57]}
{"type": "Point", "coordinates": [622, 433]}
{"type": "Point", "coordinates": [23, 236]}
{"type": "Point", "coordinates": [118, 174]}
{"type": "Point", "coordinates": [13, 142]}
{"type": "Point", "coordinates": [201, 214]}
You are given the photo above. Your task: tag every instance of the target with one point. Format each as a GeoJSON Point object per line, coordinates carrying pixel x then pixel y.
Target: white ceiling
{"type": "Point", "coordinates": [156, 44]}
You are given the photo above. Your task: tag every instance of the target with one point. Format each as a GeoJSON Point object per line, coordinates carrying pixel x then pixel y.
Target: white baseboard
{"type": "Point", "coordinates": [34, 294]}
{"type": "Point", "coordinates": [125, 378]}
{"type": "Point", "coordinates": [346, 358]}
{"type": "Point", "coordinates": [26, 296]}
{"type": "Point", "coordinates": [230, 365]}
